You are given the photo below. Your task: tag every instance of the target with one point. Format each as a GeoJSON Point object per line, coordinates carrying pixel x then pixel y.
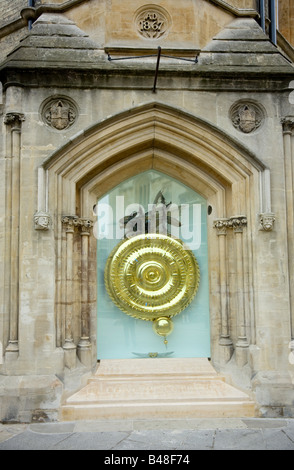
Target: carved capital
{"type": "Point", "coordinates": [85, 225]}
{"type": "Point", "coordinates": [221, 226]}
{"type": "Point", "coordinates": [71, 222]}
{"type": "Point", "coordinates": [42, 220]}
{"type": "Point", "coordinates": [267, 221]}
{"type": "Point", "coordinates": [237, 223]}
{"type": "Point", "coordinates": [14, 119]}
{"type": "Point", "coordinates": [288, 124]}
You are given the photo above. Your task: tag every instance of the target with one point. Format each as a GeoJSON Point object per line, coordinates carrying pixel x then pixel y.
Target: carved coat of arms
{"type": "Point", "coordinates": [246, 117]}
{"type": "Point", "coordinates": [60, 114]}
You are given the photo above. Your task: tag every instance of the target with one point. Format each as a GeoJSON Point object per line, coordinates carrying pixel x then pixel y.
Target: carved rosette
{"type": "Point", "coordinates": [247, 117]}
{"type": "Point", "coordinates": [152, 22]}
{"type": "Point", "coordinates": [60, 113]}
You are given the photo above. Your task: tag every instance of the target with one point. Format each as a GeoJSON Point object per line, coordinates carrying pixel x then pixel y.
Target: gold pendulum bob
{"type": "Point", "coordinates": [152, 277]}
{"type": "Point", "coordinates": [163, 326]}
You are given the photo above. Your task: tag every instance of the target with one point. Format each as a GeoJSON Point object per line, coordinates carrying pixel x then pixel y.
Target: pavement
{"type": "Point", "coordinates": [128, 437]}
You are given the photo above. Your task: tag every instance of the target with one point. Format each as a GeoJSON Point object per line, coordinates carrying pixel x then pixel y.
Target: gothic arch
{"type": "Point", "coordinates": [154, 136]}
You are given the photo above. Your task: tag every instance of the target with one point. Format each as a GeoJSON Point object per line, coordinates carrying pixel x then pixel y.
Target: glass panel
{"type": "Point", "coordinates": [120, 335]}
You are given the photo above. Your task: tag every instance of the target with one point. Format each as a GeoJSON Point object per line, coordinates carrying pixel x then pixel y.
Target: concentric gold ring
{"type": "Point", "coordinates": [151, 276]}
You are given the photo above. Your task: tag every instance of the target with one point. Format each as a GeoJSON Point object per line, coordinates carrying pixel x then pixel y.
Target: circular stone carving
{"type": "Point", "coordinates": [246, 116]}
{"type": "Point", "coordinates": [152, 22]}
{"type": "Point", "coordinates": [59, 112]}
{"type": "Point", "coordinates": [151, 276]}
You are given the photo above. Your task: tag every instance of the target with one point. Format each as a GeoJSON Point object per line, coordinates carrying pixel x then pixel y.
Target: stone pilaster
{"type": "Point", "coordinates": [84, 347]}
{"type": "Point", "coordinates": [225, 340]}
{"type": "Point", "coordinates": [69, 347]}
{"type": "Point", "coordinates": [13, 121]}
{"type": "Point", "coordinates": [288, 137]}
{"type": "Point", "coordinates": [237, 224]}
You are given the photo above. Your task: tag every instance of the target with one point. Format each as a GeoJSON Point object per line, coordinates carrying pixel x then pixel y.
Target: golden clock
{"type": "Point", "coordinates": [152, 277]}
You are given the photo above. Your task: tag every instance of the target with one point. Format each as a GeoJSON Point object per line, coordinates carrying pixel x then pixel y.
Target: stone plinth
{"type": "Point", "coordinates": [157, 388]}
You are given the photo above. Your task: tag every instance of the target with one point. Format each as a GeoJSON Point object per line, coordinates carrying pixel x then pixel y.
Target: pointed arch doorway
{"type": "Point", "coordinates": [127, 336]}
{"type": "Point", "coordinates": [193, 152]}
{"type": "Point", "coordinates": [222, 174]}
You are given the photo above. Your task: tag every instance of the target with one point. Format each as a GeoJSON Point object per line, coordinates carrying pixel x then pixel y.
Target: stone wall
{"type": "Point", "coordinates": [286, 20]}
{"type": "Point", "coordinates": [216, 125]}
{"type": "Point", "coordinates": [10, 10]}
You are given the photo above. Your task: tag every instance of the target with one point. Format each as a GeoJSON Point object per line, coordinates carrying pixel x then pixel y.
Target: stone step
{"type": "Point", "coordinates": [161, 409]}
{"type": "Point", "coordinates": [135, 367]}
{"type": "Point", "coordinates": [119, 390]}
{"type": "Point", "coordinates": [163, 388]}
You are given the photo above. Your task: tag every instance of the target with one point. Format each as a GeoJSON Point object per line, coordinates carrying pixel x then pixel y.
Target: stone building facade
{"type": "Point", "coordinates": [191, 101]}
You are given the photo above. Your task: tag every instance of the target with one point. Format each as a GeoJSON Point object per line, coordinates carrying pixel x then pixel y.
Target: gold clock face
{"type": "Point", "coordinates": [151, 276]}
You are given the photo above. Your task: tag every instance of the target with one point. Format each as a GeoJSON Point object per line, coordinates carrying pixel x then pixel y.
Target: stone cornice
{"type": "Point", "coordinates": [30, 13]}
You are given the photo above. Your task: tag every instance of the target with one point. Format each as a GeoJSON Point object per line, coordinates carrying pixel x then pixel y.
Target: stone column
{"type": "Point", "coordinates": [84, 347]}
{"type": "Point", "coordinates": [225, 340]}
{"type": "Point", "coordinates": [288, 130]}
{"type": "Point", "coordinates": [238, 223]}
{"type": "Point", "coordinates": [13, 121]}
{"type": "Point", "coordinates": [69, 347]}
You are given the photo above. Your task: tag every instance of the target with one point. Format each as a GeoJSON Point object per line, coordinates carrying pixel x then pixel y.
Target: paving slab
{"type": "Point", "coordinates": [151, 435]}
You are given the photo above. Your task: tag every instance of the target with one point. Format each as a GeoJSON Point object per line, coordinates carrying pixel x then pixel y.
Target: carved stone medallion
{"type": "Point", "coordinates": [246, 116]}
{"type": "Point", "coordinates": [152, 22]}
{"type": "Point", "coordinates": [59, 113]}
{"type": "Point", "coordinates": [151, 276]}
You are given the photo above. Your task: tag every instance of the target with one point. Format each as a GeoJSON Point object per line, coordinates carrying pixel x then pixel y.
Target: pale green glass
{"type": "Point", "coordinates": [121, 336]}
